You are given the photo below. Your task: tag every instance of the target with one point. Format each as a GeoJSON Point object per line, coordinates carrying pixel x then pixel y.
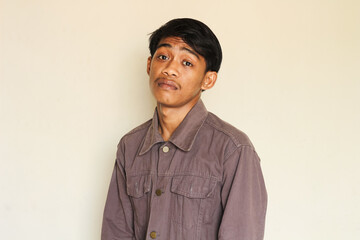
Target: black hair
{"type": "Point", "coordinates": [194, 33]}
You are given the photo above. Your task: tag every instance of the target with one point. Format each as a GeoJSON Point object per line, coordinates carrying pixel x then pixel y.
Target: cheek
{"type": "Point", "coordinates": [151, 74]}
{"type": "Point", "coordinates": [154, 70]}
{"type": "Point", "coordinates": [196, 79]}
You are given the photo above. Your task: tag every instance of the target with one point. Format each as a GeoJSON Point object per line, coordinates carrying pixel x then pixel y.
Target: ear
{"type": "Point", "coordinates": [148, 65]}
{"type": "Point", "coordinates": [209, 80]}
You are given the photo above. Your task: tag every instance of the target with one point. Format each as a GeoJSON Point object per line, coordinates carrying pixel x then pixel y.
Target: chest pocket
{"type": "Point", "coordinates": [138, 188]}
{"type": "Point", "coordinates": [192, 199]}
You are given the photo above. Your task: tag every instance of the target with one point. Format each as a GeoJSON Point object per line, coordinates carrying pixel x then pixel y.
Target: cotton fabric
{"type": "Point", "coordinates": [204, 183]}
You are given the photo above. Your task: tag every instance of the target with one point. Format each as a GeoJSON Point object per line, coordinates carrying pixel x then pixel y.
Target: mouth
{"type": "Point", "coordinates": [167, 84]}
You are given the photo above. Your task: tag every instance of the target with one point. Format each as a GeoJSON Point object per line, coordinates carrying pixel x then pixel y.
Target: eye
{"type": "Point", "coordinates": [188, 64]}
{"type": "Point", "coordinates": [162, 57]}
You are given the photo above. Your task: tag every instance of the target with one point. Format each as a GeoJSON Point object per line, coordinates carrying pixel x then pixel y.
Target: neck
{"type": "Point", "coordinates": [170, 118]}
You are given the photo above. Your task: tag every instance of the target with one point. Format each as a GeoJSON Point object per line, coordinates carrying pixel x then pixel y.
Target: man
{"type": "Point", "coordinates": [185, 174]}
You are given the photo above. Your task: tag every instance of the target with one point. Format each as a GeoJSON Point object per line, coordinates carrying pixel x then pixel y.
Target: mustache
{"type": "Point", "coordinates": [167, 81]}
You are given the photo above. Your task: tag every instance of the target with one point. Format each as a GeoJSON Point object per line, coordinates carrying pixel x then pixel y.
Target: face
{"type": "Point", "coordinates": [177, 74]}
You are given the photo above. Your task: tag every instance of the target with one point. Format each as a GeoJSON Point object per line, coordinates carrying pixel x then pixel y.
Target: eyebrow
{"type": "Point", "coordinates": [167, 45]}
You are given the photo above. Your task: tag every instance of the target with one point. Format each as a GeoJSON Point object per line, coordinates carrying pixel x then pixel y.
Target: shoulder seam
{"type": "Point", "coordinates": [232, 137]}
{"type": "Point", "coordinates": [239, 147]}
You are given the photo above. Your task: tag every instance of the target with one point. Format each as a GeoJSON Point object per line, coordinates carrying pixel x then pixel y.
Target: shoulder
{"type": "Point", "coordinates": [238, 137]}
{"type": "Point", "coordinates": [137, 132]}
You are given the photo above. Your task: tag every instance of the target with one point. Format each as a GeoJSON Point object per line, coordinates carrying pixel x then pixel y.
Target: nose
{"type": "Point", "coordinates": [171, 69]}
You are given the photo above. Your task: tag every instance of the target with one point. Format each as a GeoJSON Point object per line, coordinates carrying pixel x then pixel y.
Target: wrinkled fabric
{"type": "Point", "coordinates": [205, 183]}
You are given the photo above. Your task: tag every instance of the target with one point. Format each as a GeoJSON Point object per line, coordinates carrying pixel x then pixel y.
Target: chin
{"type": "Point", "coordinates": [164, 98]}
{"type": "Point", "coordinates": [165, 102]}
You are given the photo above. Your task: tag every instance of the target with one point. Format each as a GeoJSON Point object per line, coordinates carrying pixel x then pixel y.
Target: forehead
{"type": "Point", "coordinates": [174, 41]}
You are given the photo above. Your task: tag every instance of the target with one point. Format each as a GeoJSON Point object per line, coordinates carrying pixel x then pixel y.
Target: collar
{"type": "Point", "coordinates": [184, 135]}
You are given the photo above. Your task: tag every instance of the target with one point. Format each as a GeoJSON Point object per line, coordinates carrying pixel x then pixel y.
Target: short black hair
{"type": "Point", "coordinates": [194, 33]}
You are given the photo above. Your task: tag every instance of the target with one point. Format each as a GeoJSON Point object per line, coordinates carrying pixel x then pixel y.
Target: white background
{"type": "Point", "coordinates": [73, 81]}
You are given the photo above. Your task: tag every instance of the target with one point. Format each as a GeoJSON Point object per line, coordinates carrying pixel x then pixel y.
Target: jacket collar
{"type": "Point", "coordinates": [184, 135]}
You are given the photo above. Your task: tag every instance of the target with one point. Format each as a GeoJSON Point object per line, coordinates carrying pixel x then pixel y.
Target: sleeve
{"type": "Point", "coordinates": [244, 197]}
{"type": "Point", "coordinates": [118, 214]}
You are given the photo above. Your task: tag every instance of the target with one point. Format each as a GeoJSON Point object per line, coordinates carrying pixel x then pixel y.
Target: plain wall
{"type": "Point", "coordinates": [73, 81]}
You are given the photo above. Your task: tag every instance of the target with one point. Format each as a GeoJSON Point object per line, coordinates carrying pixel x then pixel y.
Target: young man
{"type": "Point", "coordinates": [185, 174]}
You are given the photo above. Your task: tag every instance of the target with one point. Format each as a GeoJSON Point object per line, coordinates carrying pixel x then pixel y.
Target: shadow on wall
{"type": "Point", "coordinates": [137, 101]}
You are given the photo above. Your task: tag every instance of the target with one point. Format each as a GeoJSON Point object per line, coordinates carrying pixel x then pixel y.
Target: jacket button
{"type": "Point", "coordinates": [158, 192]}
{"type": "Point", "coordinates": [165, 149]}
{"type": "Point", "coordinates": [153, 234]}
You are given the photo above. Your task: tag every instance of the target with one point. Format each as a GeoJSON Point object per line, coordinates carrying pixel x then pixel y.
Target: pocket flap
{"type": "Point", "coordinates": [193, 186]}
{"type": "Point", "coordinates": [137, 186]}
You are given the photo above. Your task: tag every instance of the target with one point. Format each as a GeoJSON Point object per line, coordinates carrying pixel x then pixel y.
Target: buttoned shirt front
{"type": "Point", "coordinates": [204, 183]}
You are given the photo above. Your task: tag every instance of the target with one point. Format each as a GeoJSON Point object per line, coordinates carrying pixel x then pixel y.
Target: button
{"type": "Point", "coordinates": [166, 149]}
{"type": "Point", "coordinates": [153, 234]}
{"type": "Point", "coordinates": [158, 192]}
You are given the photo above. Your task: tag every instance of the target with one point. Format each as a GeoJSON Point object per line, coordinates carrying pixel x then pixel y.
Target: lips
{"type": "Point", "coordinates": [167, 84]}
